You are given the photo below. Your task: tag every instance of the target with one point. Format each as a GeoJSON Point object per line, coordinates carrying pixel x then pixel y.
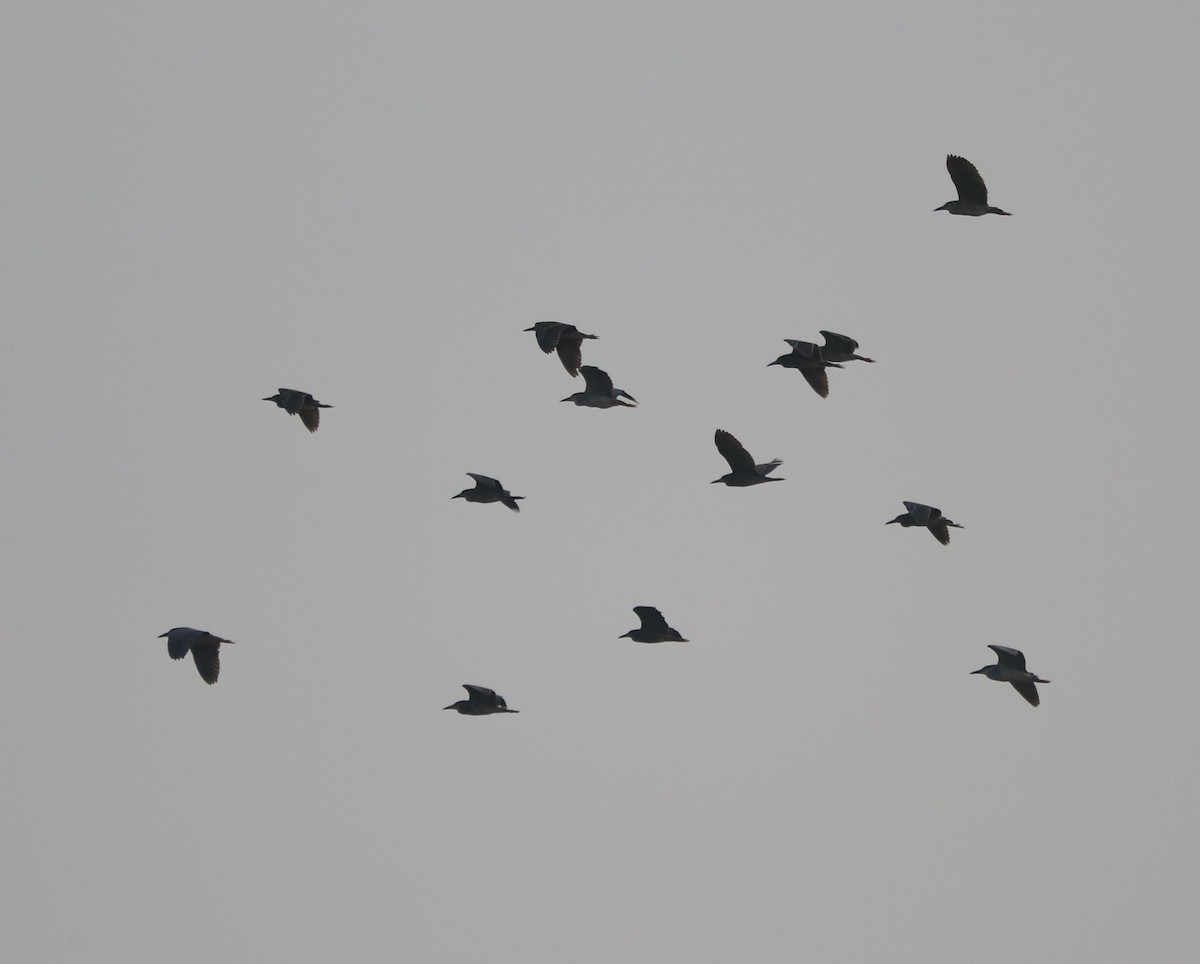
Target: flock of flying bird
{"type": "Point", "coordinates": [808, 358]}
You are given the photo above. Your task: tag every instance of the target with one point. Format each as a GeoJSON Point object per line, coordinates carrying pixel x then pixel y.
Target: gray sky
{"type": "Point", "coordinates": [369, 202]}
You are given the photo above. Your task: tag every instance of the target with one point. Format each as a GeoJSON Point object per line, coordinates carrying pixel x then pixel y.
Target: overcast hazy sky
{"type": "Point", "coordinates": [369, 202]}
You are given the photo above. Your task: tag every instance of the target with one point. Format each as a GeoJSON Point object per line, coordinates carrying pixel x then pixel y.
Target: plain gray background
{"type": "Point", "coordinates": [369, 202]}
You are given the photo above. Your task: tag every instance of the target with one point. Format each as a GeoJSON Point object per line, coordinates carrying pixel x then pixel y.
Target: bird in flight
{"type": "Point", "coordinates": [598, 391]}
{"type": "Point", "coordinates": [654, 628]}
{"type": "Point", "coordinates": [480, 701]}
{"type": "Point", "coordinates": [1010, 668]}
{"type": "Point", "coordinates": [299, 403]}
{"type": "Point", "coordinates": [928, 516]}
{"type": "Point", "coordinates": [565, 339]}
{"type": "Point", "coordinates": [808, 359]}
{"type": "Point", "coordinates": [205, 649]}
{"type": "Point", "coordinates": [972, 192]}
{"type": "Point", "coordinates": [743, 471]}
{"type": "Point", "coordinates": [489, 490]}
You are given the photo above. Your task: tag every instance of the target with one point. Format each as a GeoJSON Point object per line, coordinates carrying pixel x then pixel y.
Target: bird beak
{"type": "Point", "coordinates": [890, 521]}
{"type": "Point", "coordinates": [974, 671]}
{"type": "Point", "coordinates": [942, 208]}
{"type": "Point", "coordinates": [564, 399]}
{"type": "Point", "coordinates": [775, 362]}
{"type": "Point", "coordinates": [451, 706]}
{"type": "Point", "coordinates": [625, 635]}
{"type": "Point", "coordinates": [161, 635]}
{"type": "Point", "coordinates": [459, 496]}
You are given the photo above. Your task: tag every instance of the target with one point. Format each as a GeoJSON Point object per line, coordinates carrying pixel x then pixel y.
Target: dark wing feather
{"type": "Point", "coordinates": [1008, 657]}
{"type": "Point", "coordinates": [570, 355]}
{"type": "Point", "coordinates": [920, 514]}
{"type": "Point", "coordinates": [1028, 690]}
{"type": "Point", "coordinates": [207, 660]}
{"type": "Point", "coordinates": [733, 452]}
{"type": "Point", "coordinates": [310, 415]}
{"type": "Point", "coordinates": [806, 349]}
{"type": "Point", "coordinates": [598, 381]}
{"type": "Point", "coordinates": [818, 379]}
{"type": "Point", "coordinates": [939, 530]}
{"type": "Point", "coordinates": [480, 695]}
{"type": "Point", "coordinates": [652, 619]}
{"type": "Point", "coordinates": [839, 342]}
{"type": "Point", "coordinates": [967, 180]}
{"type": "Point", "coordinates": [546, 333]}
{"type": "Point", "coordinates": [485, 481]}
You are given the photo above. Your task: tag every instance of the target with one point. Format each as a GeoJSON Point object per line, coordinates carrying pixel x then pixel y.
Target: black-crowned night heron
{"type": "Point", "coordinates": [1011, 669]}
{"type": "Point", "coordinates": [563, 338]}
{"type": "Point", "coordinates": [807, 358]}
{"type": "Point", "coordinates": [481, 701]}
{"type": "Point", "coordinates": [972, 192]}
{"type": "Point", "coordinates": [743, 470]}
{"type": "Point", "coordinates": [929, 517]}
{"type": "Point", "coordinates": [299, 403]}
{"type": "Point", "coordinates": [598, 391]}
{"type": "Point", "coordinates": [654, 628]}
{"type": "Point", "coordinates": [489, 490]}
{"type": "Point", "coordinates": [205, 648]}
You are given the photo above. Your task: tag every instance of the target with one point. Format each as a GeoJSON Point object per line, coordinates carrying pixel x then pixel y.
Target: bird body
{"type": "Point", "coordinates": [565, 339]}
{"type": "Point", "coordinates": [598, 391]}
{"type": "Point", "coordinates": [204, 648]}
{"type": "Point", "coordinates": [928, 516]}
{"type": "Point", "coordinates": [489, 490]}
{"type": "Point", "coordinates": [807, 358]}
{"type": "Point", "coordinates": [480, 701]}
{"type": "Point", "coordinates": [1010, 668]}
{"type": "Point", "coordinates": [743, 471]}
{"type": "Point", "coordinates": [841, 348]}
{"type": "Point", "coordinates": [972, 192]}
{"type": "Point", "coordinates": [654, 628]}
{"type": "Point", "coordinates": [299, 403]}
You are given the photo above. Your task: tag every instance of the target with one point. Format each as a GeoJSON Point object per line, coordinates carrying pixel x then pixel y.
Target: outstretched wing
{"type": "Point", "coordinates": [818, 379]}
{"type": "Point", "coordinates": [805, 349]}
{"type": "Point", "coordinates": [207, 659]}
{"type": "Point", "coordinates": [920, 514]}
{"type": "Point", "coordinates": [967, 180]}
{"type": "Point", "coordinates": [485, 481]}
{"type": "Point", "coordinates": [1008, 657]}
{"type": "Point", "coordinates": [481, 695]}
{"type": "Point", "coordinates": [652, 619]}
{"type": "Point", "coordinates": [1028, 690]}
{"type": "Point", "coordinates": [837, 342]}
{"type": "Point", "coordinates": [733, 452]}
{"type": "Point", "coordinates": [598, 382]}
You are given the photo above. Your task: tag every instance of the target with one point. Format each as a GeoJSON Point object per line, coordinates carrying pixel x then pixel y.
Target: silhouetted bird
{"type": "Point", "coordinates": [299, 403]}
{"type": "Point", "coordinates": [928, 516]}
{"type": "Point", "coordinates": [489, 490]}
{"type": "Point", "coordinates": [204, 646]}
{"type": "Point", "coordinates": [598, 391]}
{"type": "Point", "coordinates": [841, 348]}
{"type": "Point", "coordinates": [744, 471]}
{"type": "Point", "coordinates": [566, 339]}
{"type": "Point", "coordinates": [1011, 669]}
{"type": "Point", "coordinates": [972, 192]}
{"type": "Point", "coordinates": [481, 701]}
{"type": "Point", "coordinates": [654, 628]}
{"type": "Point", "coordinates": [806, 358]}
